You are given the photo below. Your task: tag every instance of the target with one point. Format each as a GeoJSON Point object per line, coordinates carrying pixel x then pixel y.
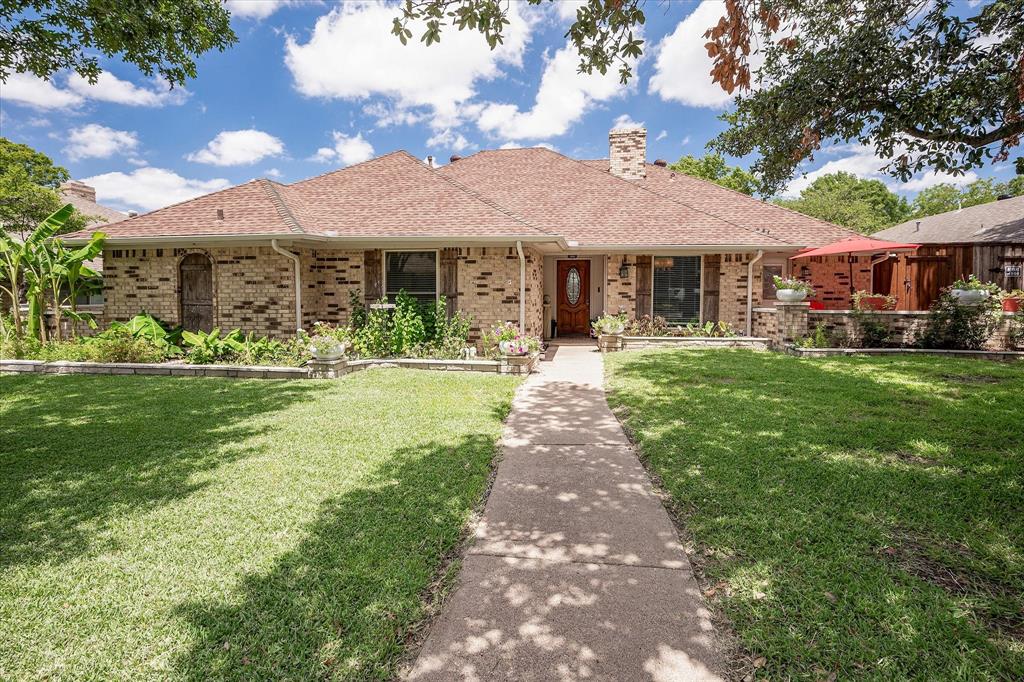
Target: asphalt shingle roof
{"type": "Point", "coordinates": [996, 221]}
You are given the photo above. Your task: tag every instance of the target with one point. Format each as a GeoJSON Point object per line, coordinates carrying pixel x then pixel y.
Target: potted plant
{"type": "Point", "coordinates": [612, 325]}
{"type": "Point", "coordinates": [863, 300]}
{"type": "Point", "coordinates": [327, 348]}
{"type": "Point", "coordinates": [1011, 300]}
{"type": "Point", "coordinates": [510, 341]}
{"type": "Point", "coordinates": [791, 290]}
{"type": "Point", "coordinates": [972, 291]}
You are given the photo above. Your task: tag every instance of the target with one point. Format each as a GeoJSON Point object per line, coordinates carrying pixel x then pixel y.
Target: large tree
{"type": "Point", "coordinates": [46, 36]}
{"type": "Point", "coordinates": [714, 168]}
{"type": "Point", "coordinates": [947, 197]}
{"type": "Point", "coordinates": [28, 194]}
{"type": "Point", "coordinates": [925, 83]}
{"type": "Point", "coordinates": [844, 199]}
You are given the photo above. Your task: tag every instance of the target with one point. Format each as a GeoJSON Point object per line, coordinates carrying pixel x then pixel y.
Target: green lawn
{"type": "Point", "coordinates": [179, 528]}
{"type": "Point", "coordinates": [857, 516]}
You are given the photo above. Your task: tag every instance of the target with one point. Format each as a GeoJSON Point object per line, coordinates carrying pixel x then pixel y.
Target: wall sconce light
{"type": "Point", "coordinates": [624, 269]}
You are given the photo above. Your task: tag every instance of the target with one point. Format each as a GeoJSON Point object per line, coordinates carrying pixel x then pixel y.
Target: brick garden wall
{"type": "Point", "coordinates": [905, 326]}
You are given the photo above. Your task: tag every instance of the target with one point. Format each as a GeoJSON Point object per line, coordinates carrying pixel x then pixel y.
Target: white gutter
{"type": "Point", "coordinates": [750, 291]}
{"type": "Point", "coordinates": [522, 288]}
{"type": "Point", "coordinates": [298, 281]}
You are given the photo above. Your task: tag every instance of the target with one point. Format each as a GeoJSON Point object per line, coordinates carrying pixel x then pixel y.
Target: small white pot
{"type": "Point", "coordinates": [791, 295]}
{"type": "Point", "coordinates": [335, 352]}
{"type": "Point", "coordinates": [613, 328]}
{"type": "Point", "coordinates": [970, 296]}
{"type": "Point", "coordinates": [506, 348]}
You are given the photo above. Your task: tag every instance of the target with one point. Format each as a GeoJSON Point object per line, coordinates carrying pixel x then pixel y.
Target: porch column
{"type": "Point", "coordinates": [792, 322]}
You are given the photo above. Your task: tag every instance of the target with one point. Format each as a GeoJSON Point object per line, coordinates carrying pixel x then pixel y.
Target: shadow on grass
{"type": "Point", "coordinates": [836, 498]}
{"type": "Point", "coordinates": [343, 602]}
{"type": "Point", "coordinates": [76, 450]}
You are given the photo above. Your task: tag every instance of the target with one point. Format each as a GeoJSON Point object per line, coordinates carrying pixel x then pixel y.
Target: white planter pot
{"type": "Point", "coordinates": [791, 295]}
{"type": "Point", "coordinates": [970, 296]}
{"type": "Point", "coordinates": [335, 352]}
{"type": "Point", "coordinates": [506, 348]}
{"type": "Point", "coordinates": [613, 329]}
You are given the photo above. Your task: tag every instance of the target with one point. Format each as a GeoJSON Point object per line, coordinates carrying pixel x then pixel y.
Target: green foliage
{"type": "Point", "coordinates": [972, 283]}
{"type": "Point", "coordinates": [44, 37]}
{"type": "Point", "coordinates": [927, 86]}
{"type": "Point", "coordinates": [707, 330]}
{"type": "Point", "coordinates": [1015, 334]}
{"type": "Point", "coordinates": [150, 329]}
{"type": "Point", "coordinates": [407, 324]}
{"type": "Point", "coordinates": [714, 168]}
{"type": "Point", "coordinates": [647, 325]}
{"type": "Point", "coordinates": [946, 197]}
{"type": "Point", "coordinates": [205, 348]}
{"type": "Point", "coordinates": [844, 199]}
{"type": "Point", "coordinates": [28, 190]}
{"type": "Point", "coordinates": [410, 329]}
{"type": "Point", "coordinates": [792, 283]}
{"type": "Point", "coordinates": [872, 329]}
{"type": "Point", "coordinates": [960, 327]}
{"type": "Point", "coordinates": [609, 324]}
{"type": "Point", "coordinates": [358, 314]}
{"type": "Point", "coordinates": [818, 339]}
{"type": "Point", "coordinates": [36, 167]}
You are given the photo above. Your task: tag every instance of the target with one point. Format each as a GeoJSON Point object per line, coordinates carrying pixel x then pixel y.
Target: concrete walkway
{"type": "Point", "coordinates": [576, 572]}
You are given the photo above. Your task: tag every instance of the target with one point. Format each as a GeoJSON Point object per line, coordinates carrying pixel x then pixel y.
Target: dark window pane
{"type": "Point", "coordinates": [768, 281]}
{"type": "Point", "coordinates": [413, 271]}
{"type": "Point", "coordinates": [677, 288]}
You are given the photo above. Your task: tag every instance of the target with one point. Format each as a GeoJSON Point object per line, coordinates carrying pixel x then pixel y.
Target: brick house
{"type": "Point", "coordinates": [521, 235]}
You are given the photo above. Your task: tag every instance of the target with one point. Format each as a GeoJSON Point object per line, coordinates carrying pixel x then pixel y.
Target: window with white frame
{"type": "Point", "coordinates": [415, 272]}
{"type": "Point", "coordinates": [677, 288]}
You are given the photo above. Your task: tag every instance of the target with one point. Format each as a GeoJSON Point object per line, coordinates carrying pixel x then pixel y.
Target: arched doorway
{"type": "Point", "coordinates": [196, 278]}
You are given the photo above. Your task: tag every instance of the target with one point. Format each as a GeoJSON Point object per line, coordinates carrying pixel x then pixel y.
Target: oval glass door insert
{"type": "Point", "coordinates": [572, 286]}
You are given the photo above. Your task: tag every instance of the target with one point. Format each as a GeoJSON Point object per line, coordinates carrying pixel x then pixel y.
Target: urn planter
{"type": "Point", "coordinates": [791, 295]}
{"type": "Point", "coordinates": [970, 296]}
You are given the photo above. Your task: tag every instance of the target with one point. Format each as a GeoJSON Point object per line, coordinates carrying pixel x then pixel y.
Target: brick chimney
{"type": "Point", "coordinates": [79, 189]}
{"type": "Point", "coordinates": [627, 153]}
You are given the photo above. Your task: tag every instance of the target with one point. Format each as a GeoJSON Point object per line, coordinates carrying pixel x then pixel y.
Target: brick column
{"type": "Point", "coordinates": [792, 322]}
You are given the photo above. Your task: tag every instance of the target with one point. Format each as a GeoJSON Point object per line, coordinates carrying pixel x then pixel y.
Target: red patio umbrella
{"type": "Point", "coordinates": [852, 245]}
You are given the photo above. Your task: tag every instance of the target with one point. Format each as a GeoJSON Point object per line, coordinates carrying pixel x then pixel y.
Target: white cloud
{"type": "Point", "coordinates": [110, 88]}
{"type": "Point", "coordinates": [567, 8]}
{"type": "Point", "coordinates": [254, 9]}
{"type": "Point", "coordinates": [25, 88]}
{"type": "Point", "coordinates": [682, 67]}
{"type": "Point", "coordinates": [686, 140]}
{"type": "Point", "coordinates": [347, 150]}
{"type": "Point", "coordinates": [626, 121]}
{"type": "Point", "coordinates": [562, 99]}
{"type": "Point", "coordinates": [272, 173]}
{"type": "Point", "coordinates": [352, 55]}
{"type": "Point", "coordinates": [150, 188]}
{"type": "Point", "coordinates": [94, 141]}
{"type": "Point", "coordinates": [661, 136]}
{"type": "Point", "coordinates": [450, 140]}
{"type": "Point", "coordinates": [238, 147]}
{"type": "Point", "coordinates": [862, 162]}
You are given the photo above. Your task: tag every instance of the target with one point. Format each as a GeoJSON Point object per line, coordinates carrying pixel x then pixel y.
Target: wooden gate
{"type": "Point", "coordinates": [196, 277]}
{"type": "Point", "coordinates": [644, 280]}
{"type": "Point", "coordinates": [926, 275]}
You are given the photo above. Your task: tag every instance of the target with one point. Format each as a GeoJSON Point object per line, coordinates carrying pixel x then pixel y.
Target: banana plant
{"type": "Point", "coordinates": [20, 261]}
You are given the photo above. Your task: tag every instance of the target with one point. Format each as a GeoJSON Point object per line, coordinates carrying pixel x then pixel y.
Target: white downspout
{"type": "Point", "coordinates": [522, 288]}
{"type": "Point", "coordinates": [298, 281]}
{"type": "Point", "coordinates": [750, 291]}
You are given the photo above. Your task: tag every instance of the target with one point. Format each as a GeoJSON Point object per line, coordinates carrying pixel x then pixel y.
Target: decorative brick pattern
{"type": "Point", "coordinates": [830, 276]}
{"type": "Point", "coordinates": [628, 153]}
{"type": "Point", "coordinates": [791, 322]}
{"type": "Point", "coordinates": [329, 276]}
{"type": "Point", "coordinates": [765, 322]}
{"type": "Point", "coordinates": [732, 287]}
{"type": "Point", "coordinates": [905, 326]}
{"type": "Point", "coordinates": [488, 288]}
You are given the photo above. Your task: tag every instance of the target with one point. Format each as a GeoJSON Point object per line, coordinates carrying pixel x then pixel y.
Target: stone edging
{"type": "Point", "coordinates": [337, 368]}
{"type": "Point", "coordinates": [612, 343]}
{"type": "Point", "coordinates": [1007, 355]}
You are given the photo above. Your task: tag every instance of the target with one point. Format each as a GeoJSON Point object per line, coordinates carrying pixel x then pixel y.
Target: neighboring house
{"type": "Point", "coordinates": [986, 240]}
{"type": "Point", "coordinates": [83, 198]}
{"type": "Point", "coordinates": [521, 235]}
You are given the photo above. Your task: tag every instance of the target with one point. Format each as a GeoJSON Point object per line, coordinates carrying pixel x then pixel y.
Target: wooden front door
{"type": "Point", "coordinates": [196, 272]}
{"type": "Point", "coordinates": [573, 297]}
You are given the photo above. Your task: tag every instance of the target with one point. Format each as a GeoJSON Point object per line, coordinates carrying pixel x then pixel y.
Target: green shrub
{"type": "Point", "coordinates": [960, 327]}
{"type": "Point", "coordinates": [818, 339]}
{"type": "Point", "coordinates": [151, 329]}
{"type": "Point", "coordinates": [872, 330]}
{"type": "Point", "coordinates": [373, 338]}
{"type": "Point", "coordinates": [122, 346]}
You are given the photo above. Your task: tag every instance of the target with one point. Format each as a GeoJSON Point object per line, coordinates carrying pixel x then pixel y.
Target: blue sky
{"type": "Point", "coordinates": [312, 86]}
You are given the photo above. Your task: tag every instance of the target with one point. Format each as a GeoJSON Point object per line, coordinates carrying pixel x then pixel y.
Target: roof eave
{"type": "Point", "coordinates": [368, 241]}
